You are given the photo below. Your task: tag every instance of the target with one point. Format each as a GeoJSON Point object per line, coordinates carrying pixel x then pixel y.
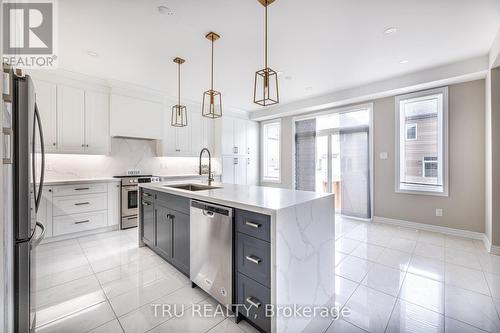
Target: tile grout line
{"type": "Point", "coordinates": [102, 290]}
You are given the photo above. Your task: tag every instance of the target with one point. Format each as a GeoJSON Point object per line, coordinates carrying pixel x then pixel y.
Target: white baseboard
{"type": "Point", "coordinates": [493, 249]}
{"type": "Point", "coordinates": [430, 227]}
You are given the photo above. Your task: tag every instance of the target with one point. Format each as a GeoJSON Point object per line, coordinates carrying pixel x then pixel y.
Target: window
{"type": "Point", "coordinates": [422, 155]}
{"type": "Point", "coordinates": [271, 147]}
{"type": "Point", "coordinates": [411, 131]}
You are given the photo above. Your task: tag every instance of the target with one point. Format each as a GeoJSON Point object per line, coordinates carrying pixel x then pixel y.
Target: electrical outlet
{"type": "Point", "coordinates": [163, 165]}
{"type": "Point", "coordinates": [383, 155]}
{"type": "Point", "coordinates": [439, 212]}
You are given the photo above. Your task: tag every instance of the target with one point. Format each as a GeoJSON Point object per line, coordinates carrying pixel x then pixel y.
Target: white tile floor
{"type": "Point", "coordinates": [392, 280]}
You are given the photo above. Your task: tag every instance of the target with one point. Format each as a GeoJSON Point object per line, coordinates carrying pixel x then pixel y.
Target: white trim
{"type": "Point", "coordinates": [443, 142]}
{"type": "Point", "coordinates": [431, 227]}
{"type": "Point", "coordinates": [263, 179]}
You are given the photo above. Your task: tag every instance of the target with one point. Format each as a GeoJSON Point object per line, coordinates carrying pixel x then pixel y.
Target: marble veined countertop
{"type": "Point", "coordinates": [254, 198]}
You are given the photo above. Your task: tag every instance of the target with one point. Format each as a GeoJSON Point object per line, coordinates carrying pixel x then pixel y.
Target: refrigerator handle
{"type": "Point", "coordinates": [39, 239]}
{"type": "Point", "coordinates": [38, 193]}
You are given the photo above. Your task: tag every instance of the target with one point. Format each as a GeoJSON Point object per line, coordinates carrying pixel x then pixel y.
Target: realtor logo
{"type": "Point", "coordinates": [29, 34]}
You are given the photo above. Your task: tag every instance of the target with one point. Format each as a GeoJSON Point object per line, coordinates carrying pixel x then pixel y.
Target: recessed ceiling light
{"type": "Point", "coordinates": [404, 61]}
{"type": "Point", "coordinates": [165, 10]}
{"type": "Point", "coordinates": [92, 53]}
{"type": "Point", "coordinates": [390, 30]}
{"type": "Point", "coordinates": [288, 77]}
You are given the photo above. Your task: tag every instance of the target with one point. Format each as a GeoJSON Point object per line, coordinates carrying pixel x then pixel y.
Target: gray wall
{"type": "Point", "coordinates": [464, 208]}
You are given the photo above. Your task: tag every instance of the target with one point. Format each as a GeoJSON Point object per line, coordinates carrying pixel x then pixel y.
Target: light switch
{"type": "Point", "coordinates": [383, 155]}
{"type": "Point", "coordinates": [439, 212]}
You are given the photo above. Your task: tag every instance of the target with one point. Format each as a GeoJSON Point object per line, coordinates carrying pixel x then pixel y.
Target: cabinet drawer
{"type": "Point", "coordinates": [254, 258]}
{"type": "Point", "coordinates": [79, 222]}
{"type": "Point", "coordinates": [74, 204]}
{"type": "Point", "coordinates": [254, 224]}
{"type": "Point", "coordinates": [255, 297]}
{"type": "Point", "coordinates": [79, 189]}
{"type": "Point", "coordinates": [174, 202]}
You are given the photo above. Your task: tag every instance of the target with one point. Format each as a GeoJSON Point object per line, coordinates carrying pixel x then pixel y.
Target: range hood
{"type": "Point", "coordinates": [135, 118]}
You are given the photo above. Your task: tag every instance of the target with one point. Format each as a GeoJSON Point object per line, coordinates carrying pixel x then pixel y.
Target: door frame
{"type": "Point", "coordinates": [357, 107]}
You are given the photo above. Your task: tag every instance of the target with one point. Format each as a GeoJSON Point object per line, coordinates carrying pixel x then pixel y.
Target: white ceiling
{"type": "Point", "coordinates": [328, 45]}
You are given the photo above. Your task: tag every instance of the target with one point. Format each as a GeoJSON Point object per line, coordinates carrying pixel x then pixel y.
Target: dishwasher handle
{"type": "Point", "coordinates": [209, 210]}
{"type": "Point", "coordinates": [208, 213]}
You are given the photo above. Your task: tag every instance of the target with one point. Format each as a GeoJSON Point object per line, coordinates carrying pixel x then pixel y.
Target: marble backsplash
{"type": "Point", "coordinates": [125, 154]}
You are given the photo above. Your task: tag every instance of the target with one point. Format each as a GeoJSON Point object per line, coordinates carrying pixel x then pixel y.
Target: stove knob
{"type": "Point", "coordinates": [131, 181]}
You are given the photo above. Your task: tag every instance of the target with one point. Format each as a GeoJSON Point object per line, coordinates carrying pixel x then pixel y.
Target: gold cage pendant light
{"type": "Point", "coordinates": [212, 99]}
{"type": "Point", "coordinates": [266, 90]}
{"type": "Point", "coordinates": [179, 112]}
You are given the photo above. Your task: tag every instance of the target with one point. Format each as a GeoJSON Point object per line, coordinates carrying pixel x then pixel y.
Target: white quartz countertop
{"type": "Point", "coordinates": [50, 182]}
{"type": "Point", "coordinates": [254, 198]}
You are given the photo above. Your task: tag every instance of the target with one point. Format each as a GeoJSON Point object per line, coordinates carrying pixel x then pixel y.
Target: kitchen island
{"type": "Point", "coordinates": [293, 233]}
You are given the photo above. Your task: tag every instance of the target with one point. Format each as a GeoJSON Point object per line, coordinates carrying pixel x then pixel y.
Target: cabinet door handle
{"type": "Point", "coordinates": [82, 203]}
{"type": "Point", "coordinates": [254, 259]}
{"type": "Point", "coordinates": [248, 161]}
{"type": "Point", "coordinates": [178, 150]}
{"type": "Point", "coordinates": [248, 151]}
{"type": "Point", "coordinates": [253, 301]}
{"type": "Point", "coordinates": [145, 203]}
{"type": "Point", "coordinates": [82, 189]}
{"type": "Point", "coordinates": [54, 144]}
{"type": "Point", "coordinates": [235, 150]}
{"type": "Point", "coordinates": [146, 194]}
{"type": "Point", "coordinates": [252, 224]}
{"type": "Point", "coordinates": [235, 160]}
{"type": "Point", "coordinates": [84, 221]}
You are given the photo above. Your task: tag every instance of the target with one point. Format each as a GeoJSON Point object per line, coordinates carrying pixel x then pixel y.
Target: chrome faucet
{"type": "Point", "coordinates": [210, 177]}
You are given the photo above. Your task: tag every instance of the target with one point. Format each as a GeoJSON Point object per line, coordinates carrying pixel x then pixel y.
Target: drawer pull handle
{"type": "Point", "coordinates": [253, 301]}
{"type": "Point", "coordinates": [82, 203]}
{"type": "Point", "coordinates": [252, 224]}
{"type": "Point", "coordinates": [80, 222]}
{"type": "Point", "coordinates": [146, 194]}
{"type": "Point", "coordinates": [82, 189]}
{"type": "Point", "coordinates": [254, 259]}
{"type": "Point", "coordinates": [145, 203]}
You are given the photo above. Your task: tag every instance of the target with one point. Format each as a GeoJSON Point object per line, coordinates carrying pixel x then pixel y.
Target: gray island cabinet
{"type": "Point", "coordinates": [283, 246]}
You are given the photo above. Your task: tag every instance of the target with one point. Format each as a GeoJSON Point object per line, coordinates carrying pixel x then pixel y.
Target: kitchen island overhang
{"type": "Point", "coordinates": [302, 243]}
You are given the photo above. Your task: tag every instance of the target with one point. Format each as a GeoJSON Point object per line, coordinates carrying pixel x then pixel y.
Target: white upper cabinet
{"type": "Point", "coordinates": [225, 128]}
{"type": "Point", "coordinates": [71, 119]}
{"type": "Point", "coordinates": [74, 120]}
{"type": "Point", "coordinates": [136, 118]}
{"type": "Point", "coordinates": [240, 136]}
{"type": "Point", "coordinates": [228, 163]}
{"type": "Point", "coordinates": [97, 139]}
{"type": "Point", "coordinates": [46, 100]}
{"type": "Point", "coordinates": [252, 138]}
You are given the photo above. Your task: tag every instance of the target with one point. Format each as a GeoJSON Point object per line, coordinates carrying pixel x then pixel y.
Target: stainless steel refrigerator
{"type": "Point", "coordinates": [23, 183]}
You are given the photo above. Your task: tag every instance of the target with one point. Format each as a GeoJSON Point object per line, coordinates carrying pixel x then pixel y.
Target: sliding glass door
{"type": "Point", "coordinates": [333, 156]}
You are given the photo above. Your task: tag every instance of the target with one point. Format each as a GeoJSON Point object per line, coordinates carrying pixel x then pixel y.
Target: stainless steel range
{"type": "Point", "coordinates": [130, 198]}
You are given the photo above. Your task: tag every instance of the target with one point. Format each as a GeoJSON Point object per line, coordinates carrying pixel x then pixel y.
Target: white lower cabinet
{"type": "Point", "coordinates": [114, 207]}
{"type": "Point", "coordinates": [67, 224]}
{"type": "Point", "coordinates": [71, 209]}
{"type": "Point", "coordinates": [239, 170]}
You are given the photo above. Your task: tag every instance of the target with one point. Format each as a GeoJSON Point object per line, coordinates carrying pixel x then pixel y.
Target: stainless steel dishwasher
{"type": "Point", "coordinates": [211, 250]}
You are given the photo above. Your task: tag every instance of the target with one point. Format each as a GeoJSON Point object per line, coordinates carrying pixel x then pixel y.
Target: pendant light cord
{"type": "Point", "coordinates": [179, 81]}
{"type": "Point", "coordinates": [212, 70]}
{"type": "Point", "coordinates": [266, 37]}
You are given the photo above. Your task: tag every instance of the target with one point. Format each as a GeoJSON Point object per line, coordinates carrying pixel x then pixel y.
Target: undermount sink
{"type": "Point", "coordinates": [192, 187]}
